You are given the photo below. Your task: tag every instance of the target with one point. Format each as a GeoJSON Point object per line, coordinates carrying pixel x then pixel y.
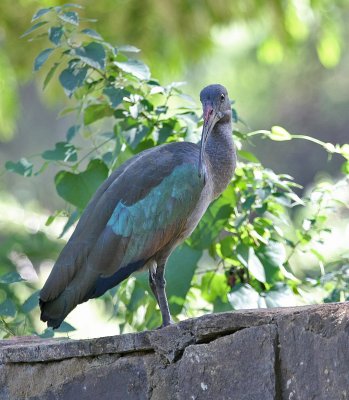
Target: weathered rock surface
{"type": "Point", "coordinates": [287, 353]}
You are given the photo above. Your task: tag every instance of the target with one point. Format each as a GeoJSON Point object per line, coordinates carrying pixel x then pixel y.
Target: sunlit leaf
{"type": "Point", "coordinates": [40, 13]}
{"type": "Point", "coordinates": [344, 150]}
{"type": "Point", "coordinates": [248, 156]}
{"type": "Point", "coordinates": [92, 54]}
{"type": "Point", "coordinates": [50, 74]}
{"type": "Point", "coordinates": [134, 67]}
{"type": "Point", "coordinates": [272, 256]}
{"type": "Point", "coordinates": [41, 58]}
{"type": "Point", "coordinates": [70, 17]}
{"type": "Point", "coordinates": [214, 285]}
{"type": "Point", "coordinates": [115, 95]}
{"type": "Point", "coordinates": [92, 33]}
{"type": "Point", "coordinates": [135, 135]}
{"type": "Point", "coordinates": [55, 34]}
{"type": "Point", "coordinates": [72, 5]}
{"type": "Point", "coordinates": [129, 49]}
{"type": "Point", "coordinates": [255, 266]}
{"type": "Point", "coordinates": [95, 112]}
{"type": "Point", "coordinates": [345, 168]}
{"type": "Point", "coordinates": [282, 296]}
{"type": "Point", "coordinates": [243, 297]}
{"type": "Point", "coordinates": [71, 78]}
{"type": "Point", "coordinates": [271, 51]}
{"type": "Point", "coordinates": [34, 28]}
{"type": "Point", "coordinates": [329, 48]}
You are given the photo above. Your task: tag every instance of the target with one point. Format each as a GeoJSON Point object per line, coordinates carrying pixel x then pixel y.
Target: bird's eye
{"type": "Point", "coordinates": [222, 97]}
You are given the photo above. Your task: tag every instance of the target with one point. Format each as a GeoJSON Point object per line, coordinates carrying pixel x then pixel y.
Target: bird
{"type": "Point", "coordinates": [141, 213]}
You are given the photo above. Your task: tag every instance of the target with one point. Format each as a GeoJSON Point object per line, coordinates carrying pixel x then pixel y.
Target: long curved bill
{"type": "Point", "coordinates": [211, 116]}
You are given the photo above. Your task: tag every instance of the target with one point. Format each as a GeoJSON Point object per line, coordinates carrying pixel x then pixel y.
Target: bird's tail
{"type": "Point", "coordinates": [54, 311]}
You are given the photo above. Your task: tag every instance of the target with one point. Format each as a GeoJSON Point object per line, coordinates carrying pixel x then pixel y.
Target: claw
{"type": "Point", "coordinates": [163, 325]}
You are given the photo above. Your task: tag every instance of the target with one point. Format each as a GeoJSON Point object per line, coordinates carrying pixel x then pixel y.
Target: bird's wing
{"type": "Point", "coordinates": [132, 217]}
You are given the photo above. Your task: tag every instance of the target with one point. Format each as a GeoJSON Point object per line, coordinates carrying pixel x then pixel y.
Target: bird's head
{"type": "Point", "coordinates": [216, 107]}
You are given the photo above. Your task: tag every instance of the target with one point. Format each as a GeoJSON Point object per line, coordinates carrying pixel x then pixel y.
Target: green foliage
{"type": "Point", "coordinates": [181, 33]}
{"type": "Point", "coordinates": [239, 255]}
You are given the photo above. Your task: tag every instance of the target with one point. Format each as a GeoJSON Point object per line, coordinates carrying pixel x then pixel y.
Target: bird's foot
{"type": "Point", "coordinates": [164, 324]}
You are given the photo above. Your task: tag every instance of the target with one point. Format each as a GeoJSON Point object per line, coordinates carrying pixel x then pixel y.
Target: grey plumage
{"type": "Point", "coordinates": [141, 213]}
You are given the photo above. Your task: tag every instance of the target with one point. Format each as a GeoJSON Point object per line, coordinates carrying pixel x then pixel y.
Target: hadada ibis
{"type": "Point", "coordinates": [138, 216]}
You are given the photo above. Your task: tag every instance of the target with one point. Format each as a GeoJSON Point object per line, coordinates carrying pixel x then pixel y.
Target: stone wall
{"type": "Point", "coordinates": [286, 353]}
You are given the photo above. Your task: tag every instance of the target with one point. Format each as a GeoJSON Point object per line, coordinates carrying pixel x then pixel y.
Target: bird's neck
{"type": "Point", "coordinates": [221, 154]}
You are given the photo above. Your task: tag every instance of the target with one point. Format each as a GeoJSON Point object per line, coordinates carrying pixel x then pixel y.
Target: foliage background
{"type": "Point", "coordinates": [285, 64]}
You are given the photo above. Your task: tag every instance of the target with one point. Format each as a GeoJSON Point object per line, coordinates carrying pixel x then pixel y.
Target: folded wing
{"type": "Point", "coordinates": [141, 208]}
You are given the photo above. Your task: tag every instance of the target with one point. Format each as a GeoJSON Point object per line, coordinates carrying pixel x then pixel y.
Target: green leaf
{"type": "Point", "coordinates": [134, 67]}
{"type": "Point", "coordinates": [345, 168]}
{"type": "Point", "coordinates": [95, 112]}
{"type": "Point", "coordinates": [135, 135]}
{"type": "Point", "coordinates": [344, 151]}
{"type": "Point", "coordinates": [182, 262]}
{"type": "Point", "coordinates": [248, 258]}
{"type": "Point", "coordinates": [33, 28]}
{"type": "Point", "coordinates": [92, 33]}
{"type": "Point", "coordinates": [244, 297]}
{"type": "Point", "coordinates": [248, 156]}
{"type": "Point", "coordinates": [329, 48]}
{"type": "Point", "coordinates": [93, 55]}
{"type": "Point", "coordinates": [278, 133]}
{"type": "Point", "coordinates": [77, 189]}
{"type": "Point", "coordinates": [70, 222]}
{"type": "Point", "coordinates": [212, 222]}
{"type": "Point", "coordinates": [41, 58]}
{"type": "Point", "coordinates": [47, 333]}
{"type": "Point", "coordinates": [255, 266]}
{"type": "Point", "coordinates": [115, 95]}
{"type": "Point", "coordinates": [40, 13]}
{"type": "Point", "coordinates": [50, 75]}
{"type": "Point", "coordinates": [281, 296]}
{"type": "Point", "coordinates": [8, 308]}
{"type": "Point", "coordinates": [65, 327]}
{"type": "Point", "coordinates": [73, 5]}
{"type": "Point", "coordinates": [72, 131]}
{"type": "Point", "coordinates": [63, 151]}
{"type": "Point", "coordinates": [72, 78]}
{"type": "Point", "coordinates": [31, 302]}
{"type": "Point", "coordinates": [22, 167]}
{"type": "Point", "coordinates": [55, 34]}
{"type": "Point", "coordinates": [11, 277]}
{"type": "Point", "coordinates": [71, 17]}
{"type": "Point", "coordinates": [128, 49]}
{"type": "Point", "coordinates": [247, 204]}
{"type": "Point", "coordinates": [272, 256]}
{"type": "Point", "coordinates": [214, 285]}
{"type": "Point", "coordinates": [162, 134]}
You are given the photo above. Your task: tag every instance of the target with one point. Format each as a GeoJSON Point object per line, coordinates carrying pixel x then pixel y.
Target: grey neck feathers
{"type": "Point", "coordinates": [220, 154]}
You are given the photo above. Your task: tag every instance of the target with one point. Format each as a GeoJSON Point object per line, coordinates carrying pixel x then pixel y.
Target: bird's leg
{"type": "Point", "coordinates": [160, 283]}
{"type": "Point", "coordinates": [152, 272]}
